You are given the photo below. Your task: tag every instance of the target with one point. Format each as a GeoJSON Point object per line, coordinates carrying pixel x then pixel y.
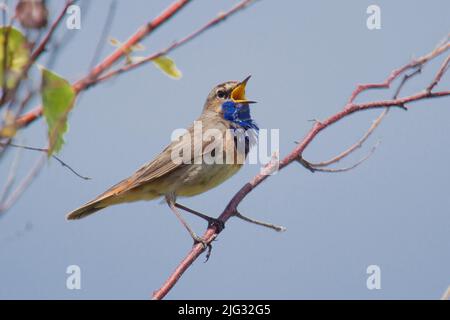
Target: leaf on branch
{"type": "Point", "coordinates": [58, 97]}
{"type": "Point", "coordinates": [168, 66]}
{"type": "Point", "coordinates": [17, 55]}
{"type": "Point", "coordinates": [137, 47]}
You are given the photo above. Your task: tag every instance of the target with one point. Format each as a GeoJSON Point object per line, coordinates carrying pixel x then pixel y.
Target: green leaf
{"type": "Point", "coordinates": [167, 65]}
{"type": "Point", "coordinates": [17, 54]}
{"type": "Point", "coordinates": [58, 97]}
{"type": "Point", "coordinates": [136, 47]}
{"type": "Point", "coordinates": [128, 58]}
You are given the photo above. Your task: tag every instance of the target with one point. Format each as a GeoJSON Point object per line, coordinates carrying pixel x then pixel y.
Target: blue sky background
{"type": "Point", "coordinates": [305, 57]}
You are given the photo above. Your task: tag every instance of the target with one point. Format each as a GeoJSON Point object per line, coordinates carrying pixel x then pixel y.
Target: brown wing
{"type": "Point", "coordinates": [157, 168]}
{"type": "Point", "coordinates": [163, 163]}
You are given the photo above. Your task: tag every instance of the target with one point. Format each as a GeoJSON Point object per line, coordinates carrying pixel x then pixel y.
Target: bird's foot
{"type": "Point", "coordinates": [197, 239]}
{"type": "Point", "coordinates": [205, 244]}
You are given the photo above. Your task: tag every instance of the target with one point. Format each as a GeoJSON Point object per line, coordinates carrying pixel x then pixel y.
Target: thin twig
{"type": "Point", "coordinates": [82, 84]}
{"type": "Point", "coordinates": [439, 75]}
{"type": "Point", "coordinates": [230, 210]}
{"type": "Point", "coordinates": [316, 165]}
{"type": "Point", "coordinates": [221, 17]}
{"type": "Point", "coordinates": [21, 107]}
{"type": "Point", "coordinates": [11, 177]}
{"type": "Point", "coordinates": [102, 40]}
{"type": "Point", "coordinates": [119, 53]}
{"type": "Point", "coordinates": [397, 72]}
{"type": "Point", "coordinates": [45, 150]}
{"type": "Point", "coordinates": [23, 185]}
{"type": "Point", "coordinates": [405, 78]}
{"type": "Point", "coordinates": [313, 166]}
{"type": "Point", "coordinates": [104, 34]}
{"type": "Point", "coordinates": [25, 102]}
{"type": "Point", "coordinates": [260, 223]}
{"type": "Point", "coordinates": [43, 44]}
{"type": "Point", "coordinates": [38, 51]}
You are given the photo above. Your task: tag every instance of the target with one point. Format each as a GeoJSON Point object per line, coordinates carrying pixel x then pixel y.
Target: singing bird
{"type": "Point", "coordinates": [226, 110]}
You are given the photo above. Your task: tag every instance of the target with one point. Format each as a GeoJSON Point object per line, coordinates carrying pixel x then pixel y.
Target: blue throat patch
{"type": "Point", "coordinates": [239, 114]}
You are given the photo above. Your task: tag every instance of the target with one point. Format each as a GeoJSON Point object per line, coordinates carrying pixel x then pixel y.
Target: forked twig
{"type": "Point", "coordinates": [313, 167]}
{"type": "Point", "coordinates": [350, 108]}
{"type": "Point", "coordinates": [260, 223]}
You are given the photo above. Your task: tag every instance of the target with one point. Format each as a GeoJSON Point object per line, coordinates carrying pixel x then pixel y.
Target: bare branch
{"type": "Point", "coordinates": [345, 153]}
{"type": "Point", "coordinates": [439, 75]}
{"type": "Point", "coordinates": [41, 47]}
{"type": "Point", "coordinates": [260, 223]}
{"type": "Point", "coordinates": [314, 166]}
{"type": "Point", "coordinates": [397, 72]}
{"type": "Point", "coordinates": [351, 107]}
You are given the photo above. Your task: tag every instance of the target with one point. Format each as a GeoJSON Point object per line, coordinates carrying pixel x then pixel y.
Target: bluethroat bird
{"type": "Point", "coordinates": [226, 109]}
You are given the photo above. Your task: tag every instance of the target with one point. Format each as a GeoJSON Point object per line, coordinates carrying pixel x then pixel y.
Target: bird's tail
{"type": "Point", "coordinates": [87, 209]}
{"type": "Point", "coordinates": [107, 198]}
{"type": "Point", "coordinates": [119, 193]}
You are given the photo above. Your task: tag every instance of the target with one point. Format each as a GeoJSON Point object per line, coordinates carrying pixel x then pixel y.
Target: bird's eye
{"type": "Point", "coordinates": [221, 94]}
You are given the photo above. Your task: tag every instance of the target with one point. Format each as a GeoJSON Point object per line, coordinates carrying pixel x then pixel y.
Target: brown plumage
{"type": "Point", "coordinates": [164, 177]}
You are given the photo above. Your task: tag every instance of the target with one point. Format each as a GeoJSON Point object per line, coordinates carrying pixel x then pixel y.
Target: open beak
{"type": "Point", "coordinates": [238, 93]}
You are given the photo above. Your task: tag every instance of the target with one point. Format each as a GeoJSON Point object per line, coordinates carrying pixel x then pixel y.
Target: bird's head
{"type": "Point", "coordinates": [228, 99]}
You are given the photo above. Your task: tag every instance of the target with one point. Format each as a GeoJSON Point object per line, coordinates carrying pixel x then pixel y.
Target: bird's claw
{"type": "Point", "coordinates": [198, 240]}
{"type": "Point", "coordinates": [205, 244]}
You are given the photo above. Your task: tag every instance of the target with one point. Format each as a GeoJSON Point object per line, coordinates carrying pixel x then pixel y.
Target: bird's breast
{"type": "Point", "coordinates": [198, 178]}
{"type": "Point", "coordinates": [219, 161]}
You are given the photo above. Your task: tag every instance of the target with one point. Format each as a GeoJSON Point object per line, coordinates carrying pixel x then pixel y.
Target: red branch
{"type": "Point", "coordinates": [140, 34]}
{"type": "Point", "coordinates": [95, 77]}
{"type": "Point", "coordinates": [41, 47]}
{"type": "Point", "coordinates": [213, 22]}
{"type": "Point", "coordinates": [231, 209]}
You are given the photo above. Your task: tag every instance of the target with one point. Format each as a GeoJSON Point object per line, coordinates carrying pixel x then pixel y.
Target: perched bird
{"type": "Point", "coordinates": [226, 111]}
